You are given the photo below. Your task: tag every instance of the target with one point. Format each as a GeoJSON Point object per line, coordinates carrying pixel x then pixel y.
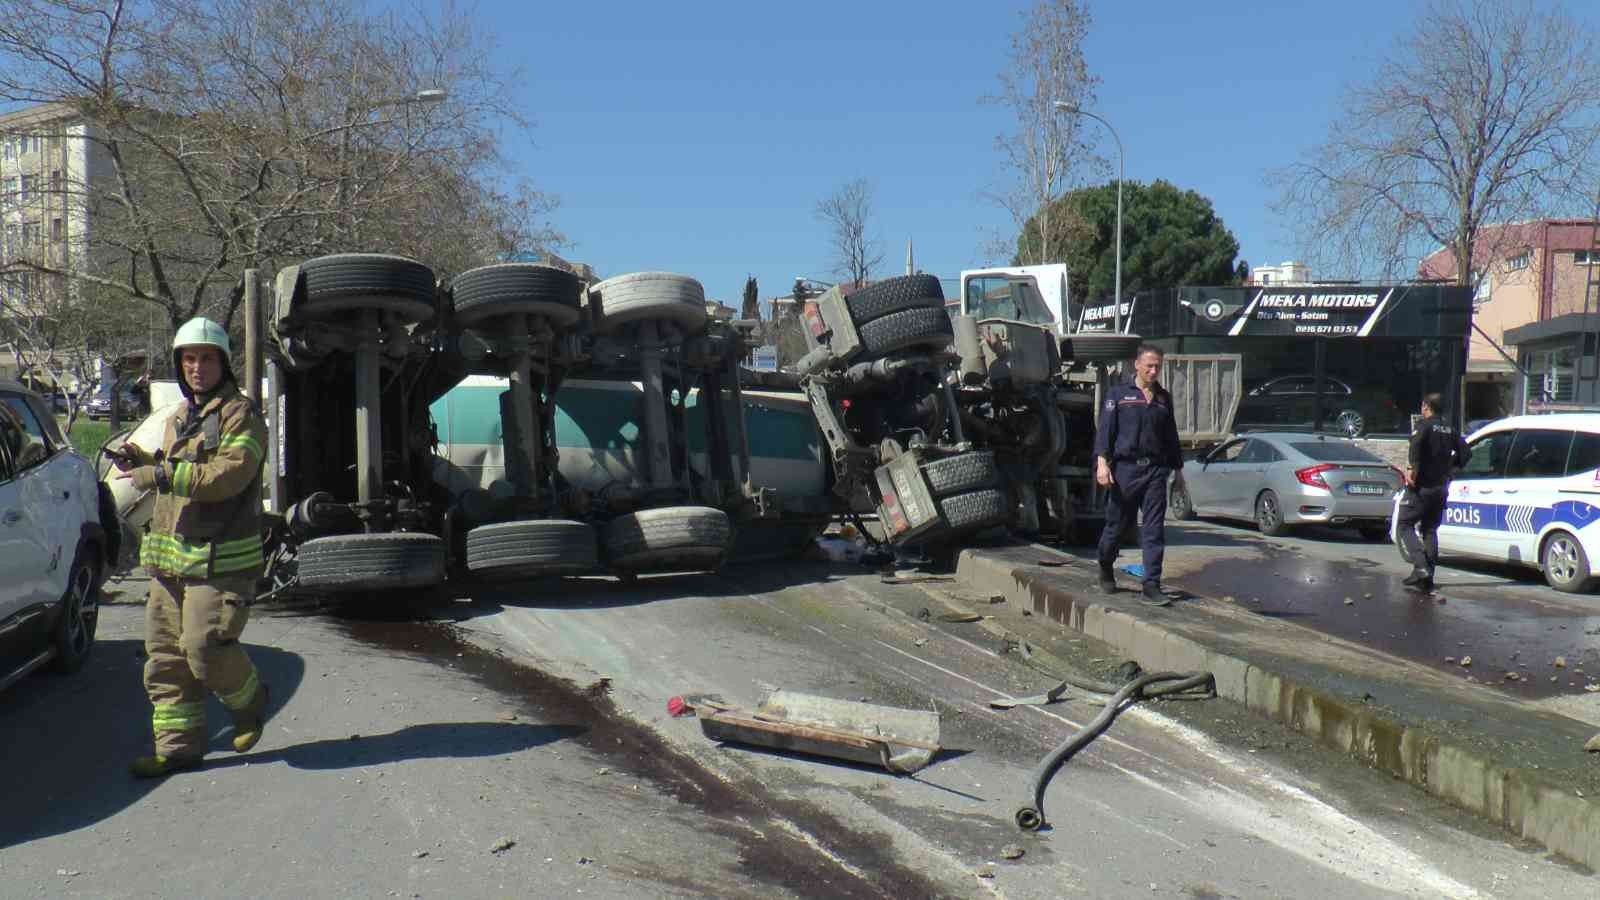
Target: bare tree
{"type": "Point", "coordinates": [847, 213]}
{"type": "Point", "coordinates": [1484, 113]}
{"type": "Point", "coordinates": [1045, 66]}
{"type": "Point", "coordinates": [236, 134]}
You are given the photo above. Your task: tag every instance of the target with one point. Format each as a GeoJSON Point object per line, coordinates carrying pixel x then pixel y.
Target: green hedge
{"type": "Point", "coordinates": [87, 436]}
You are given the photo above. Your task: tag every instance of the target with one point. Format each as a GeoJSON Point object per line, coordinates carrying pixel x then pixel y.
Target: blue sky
{"type": "Point", "coordinates": [698, 137]}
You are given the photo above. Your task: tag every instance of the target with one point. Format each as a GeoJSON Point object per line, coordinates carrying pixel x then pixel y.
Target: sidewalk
{"type": "Point", "coordinates": [1519, 766]}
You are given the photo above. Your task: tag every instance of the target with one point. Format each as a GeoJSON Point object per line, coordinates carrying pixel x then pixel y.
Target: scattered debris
{"type": "Point", "coordinates": [602, 771]}
{"type": "Point", "coordinates": [987, 871]}
{"type": "Point", "coordinates": [599, 688]}
{"type": "Point", "coordinates": [919, 642]}
{"type": "Point", "coordinates": [1349, 602]}
{"type": "Point", "coordinates": [1450, 660]}
{"type": "Point", "coordinates": [839, 550]}
{"type": "Point", "coordinates": [1592, 688]}
{"type": "Point", "coordinates": [678, 707]}
{"type": "Point", "coordinates": [923, 614]}
{"type": "Point", "coordinates": [420, 854]}
{"type": "Point", "coordinates": [1560, 662]}
{"type": "Point", "coordinates": [1593, 745]}
{"type": "Point", "coordinates": [1466, 662]}
{"type": "Point", "coordinates": [502, 845]}
{"type": "Point", "coordinates": [900, 740]}
{"type": "Point", "coordinates": [914, 579]}
{"type": "Point", "coordinates": [507, 716]}
{"type": "Point", "coordinates": [1012, 851]}
{"type": "Point", "coordinates": [68, 873]}
{"type": "Point", "coordinates": [1367, 595]}
{"type": "Point", "coordinates": [1228, 599]}
{"type": "Point", "coordinates": [584, 860]}
{"type": "Point", "coordinates": [960, 617]}
{"type": "Point", "coordinates": [996, 598]}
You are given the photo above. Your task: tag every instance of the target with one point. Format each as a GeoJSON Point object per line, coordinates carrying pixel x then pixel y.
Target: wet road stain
{"type": "Point", "coordinates": [745, 812]}
{"type": "Point", "coordinates": [1504, 636]}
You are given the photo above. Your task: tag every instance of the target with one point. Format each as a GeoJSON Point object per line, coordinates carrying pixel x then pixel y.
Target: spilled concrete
{"type": "Point", "coordinates": [764, 827]}
{"type": "Point", "coordinates": [1493, 754]}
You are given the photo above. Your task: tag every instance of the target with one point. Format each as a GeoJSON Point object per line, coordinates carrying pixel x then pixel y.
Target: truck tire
{"type": "Point", "coordinates": [892, 295]}
{"type": "Point", "coordinates": [353, 282]}
{"type": "Point", "coordinates": [923, 326]}
{"type": "Point", "coordinates": [371, 562]}
{"type": "Point", "coordinates": [671, 539]}
{"type": "Point", "coordinates": [518, 289]}
{"type": "Point", "coordinates": [664, 296]}
{"type": "Point", "coordinates": [961, 473]}
{"type": "Point", "coordinates": [1106, 348]}
{"type": "Point", "coordinates": [975, 510]}
{"type": "Point", "coordinates": [531, 548]}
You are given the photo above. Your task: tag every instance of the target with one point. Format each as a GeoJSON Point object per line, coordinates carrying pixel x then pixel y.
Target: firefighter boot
{"type": "Point", "coordinates": [249, 722]}
{"type": "Point", "coordinates": [158, 766]}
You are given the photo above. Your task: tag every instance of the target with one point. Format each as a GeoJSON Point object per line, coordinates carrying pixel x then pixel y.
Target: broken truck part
{"type": "Point", "coordinates": [900, 740]}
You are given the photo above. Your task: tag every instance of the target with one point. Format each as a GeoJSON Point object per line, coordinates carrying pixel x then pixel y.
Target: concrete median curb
{"type": "Point", "coordinates": [1528, 801]}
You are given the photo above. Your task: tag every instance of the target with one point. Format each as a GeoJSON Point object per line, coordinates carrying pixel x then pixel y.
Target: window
{"type": "Point", "coordinates": [1489, 456]}
{"type": "Point", "coordinates": [1259, 452]}
{"type": "Point", "coordinates": [1539, 454]}
{"type": "Point", "coordinates": [30, 186]}
{"type": "Point", "coordinates": [1586, 257]}
{"type": "Point", "coordinates": [10, 148]}
{"type": "Point", "coordinates": [55, 181]}
{"type": "Point", "coordinates": [13, 185]}
{"type": "Point", "coordinates": [1585, 455]}
{"type": "Point", "coordinates": [58, 230]}
{"type": "Point", "coordinates": [1336, 451]}
{"type": "Point", "coordinates": [1519, 262]}
{"type": "Point", "coordinates": [24, 434]}
{"type": "Point", "coordinates": [32, 235]}
{"type": "Point", "coordinates": [1228, 452]}
{"type": "Point", "coordinates": [1266, 277]}
{"type": "Point", "coordinates": [999, 297]}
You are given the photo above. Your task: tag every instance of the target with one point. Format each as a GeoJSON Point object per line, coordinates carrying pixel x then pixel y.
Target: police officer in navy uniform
{"type": "Point", "coordinates": [1436, 452]}
{"type": "Point", "coordinates": [1136, 450]}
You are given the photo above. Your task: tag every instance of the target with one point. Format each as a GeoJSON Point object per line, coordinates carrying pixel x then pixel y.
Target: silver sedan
{"type": "Point", "coordinates": [1282, 480]}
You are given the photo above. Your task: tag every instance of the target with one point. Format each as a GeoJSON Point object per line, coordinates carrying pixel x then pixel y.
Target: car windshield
{"type": "Point", "coordinates": [1335, 451]}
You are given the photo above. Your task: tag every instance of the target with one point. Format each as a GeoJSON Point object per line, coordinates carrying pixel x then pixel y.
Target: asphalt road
{"type": "Point", "coordinates": [405, 749]}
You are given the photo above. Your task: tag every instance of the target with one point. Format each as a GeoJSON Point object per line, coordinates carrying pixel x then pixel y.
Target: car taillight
{"type": "Point", "coordinates": [1312, 475]}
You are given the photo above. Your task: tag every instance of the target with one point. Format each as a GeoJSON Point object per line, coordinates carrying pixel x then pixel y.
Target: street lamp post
{"type": "Point", "coordinates": [424, 97]}
{"type": "Point", "coordinates": [1117, 300]}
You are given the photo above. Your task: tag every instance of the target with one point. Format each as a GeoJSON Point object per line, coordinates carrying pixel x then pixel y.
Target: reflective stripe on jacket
{"type": "Point", "coordinates": [207, 520]}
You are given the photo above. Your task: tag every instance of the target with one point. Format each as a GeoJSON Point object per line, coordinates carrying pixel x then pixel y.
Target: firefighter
{"type": "Point", "coordinates": [203, 552]}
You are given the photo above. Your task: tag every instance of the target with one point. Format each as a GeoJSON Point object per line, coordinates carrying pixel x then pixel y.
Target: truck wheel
{"type": "Point", "coordinates": [352, 282]}
{"type": "Point", "coordinates": [624, 299]}
{"type": "Point", "coordinates": [1106, 348]}
{"type": "Point", "coordinates": [960, 473]}
{"type": "Point", "coordinates": [892, 295]}
{"type": "Point", "coordinates": [532, 548]}
{"type": "Point", "coordinates": [671, 539]}
{"type": "Point", "coordinates": [517, 289]}
{"type": "Point", "coordinates": [975, 510]}
{"type": "Point", "coordinates": [1565, 565]}
{"type": "Point", "coordinates": [370, 562]}
{"type": "Point", "coordinates": [918, 326]}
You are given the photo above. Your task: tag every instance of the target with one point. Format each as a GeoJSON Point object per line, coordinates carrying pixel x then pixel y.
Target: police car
{"type": "Point", "coordinates": [1530, 494]}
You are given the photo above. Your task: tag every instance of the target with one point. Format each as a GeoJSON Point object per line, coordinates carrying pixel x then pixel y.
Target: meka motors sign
{"type": "Point", "coordinates": [1343, 311]}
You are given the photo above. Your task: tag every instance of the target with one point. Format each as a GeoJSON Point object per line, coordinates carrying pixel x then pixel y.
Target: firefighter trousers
{"type": "Point", "coordinates": [191, 643]}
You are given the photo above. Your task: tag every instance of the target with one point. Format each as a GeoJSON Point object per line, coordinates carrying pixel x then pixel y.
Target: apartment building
{"type": "Point", "coordinates": [1531, 280]}
{"type": "Point", "coordinates": [46, 166]}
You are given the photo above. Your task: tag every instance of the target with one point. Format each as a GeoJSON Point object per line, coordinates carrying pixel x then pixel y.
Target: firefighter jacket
{"type": "Point", "coordinates": [207, 478]}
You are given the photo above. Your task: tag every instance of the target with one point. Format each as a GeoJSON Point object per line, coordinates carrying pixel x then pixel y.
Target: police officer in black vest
{"type": "Point", "coordinates": [1436, 452]}
{"type": "Point", "coordinates": [1136, 450]}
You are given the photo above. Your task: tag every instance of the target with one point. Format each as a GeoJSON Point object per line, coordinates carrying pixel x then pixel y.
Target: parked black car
{"type": "Point", "coordinates": [1288, 403]}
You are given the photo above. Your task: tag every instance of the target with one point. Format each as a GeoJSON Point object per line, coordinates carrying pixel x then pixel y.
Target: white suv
{"type": "Point", "coordinates": [1530, 495]}
{"type": "Point", "coordinates": [54, 548]}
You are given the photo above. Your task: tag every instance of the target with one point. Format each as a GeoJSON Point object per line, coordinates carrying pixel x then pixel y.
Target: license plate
{"type": "Point", "coordinates": [1361, 488]}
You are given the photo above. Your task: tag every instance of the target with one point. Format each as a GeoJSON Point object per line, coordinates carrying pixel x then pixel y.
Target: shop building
{"type": "Point", "coordinates": [1352, 359]}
